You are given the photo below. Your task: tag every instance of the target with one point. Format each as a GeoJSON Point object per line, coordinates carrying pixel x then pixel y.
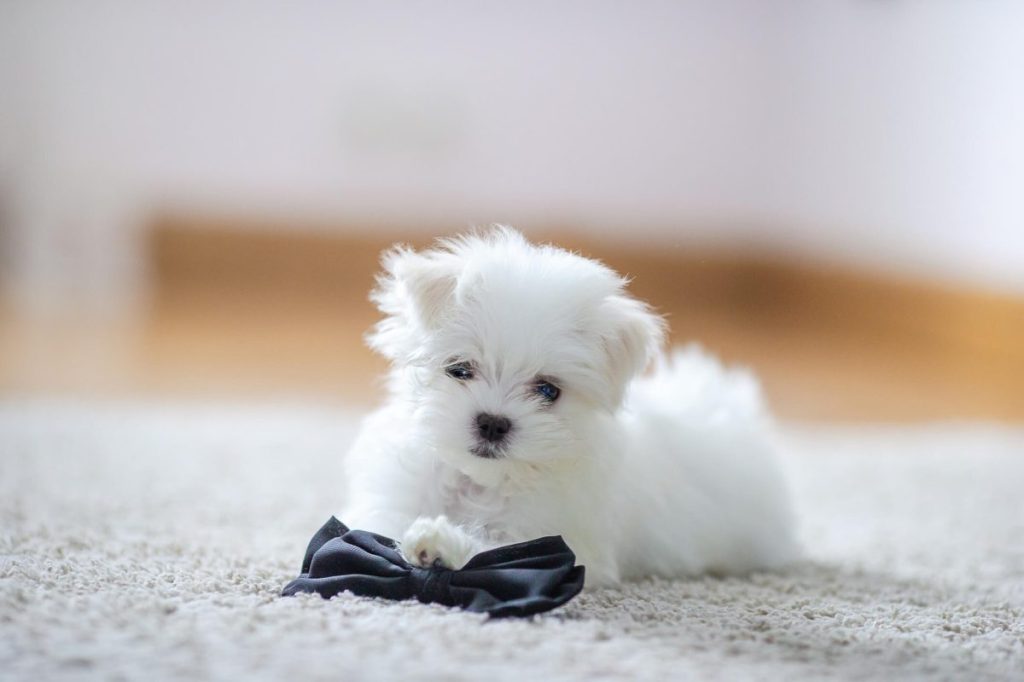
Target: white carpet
{"type": "Point", "coordinates": [151, 543]}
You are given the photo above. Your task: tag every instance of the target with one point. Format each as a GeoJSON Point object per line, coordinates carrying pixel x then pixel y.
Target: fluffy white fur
{"type": "Point", "coordinates": [669, 474]}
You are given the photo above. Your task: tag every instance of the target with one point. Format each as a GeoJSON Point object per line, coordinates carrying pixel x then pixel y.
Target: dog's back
{"type": "Point", "coordinates": [700, 486]}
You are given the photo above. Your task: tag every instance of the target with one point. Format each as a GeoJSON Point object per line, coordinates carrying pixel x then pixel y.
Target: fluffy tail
{"type": "Point", "coordinates": [689, 384]}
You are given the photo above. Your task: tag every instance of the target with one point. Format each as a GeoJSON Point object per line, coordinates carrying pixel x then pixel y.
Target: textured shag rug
{"type": "Point", "coordinates": [151, 541]}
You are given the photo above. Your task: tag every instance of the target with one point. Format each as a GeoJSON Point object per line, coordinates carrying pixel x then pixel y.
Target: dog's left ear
{"type": "Point", "coordinates": [633, 337]}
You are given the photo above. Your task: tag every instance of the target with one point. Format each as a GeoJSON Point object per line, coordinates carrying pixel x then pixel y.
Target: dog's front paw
{"type": "Point", "coordinates": [437, 541]}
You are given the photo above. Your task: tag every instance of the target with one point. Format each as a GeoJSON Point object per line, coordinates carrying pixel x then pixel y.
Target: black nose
{"type": "Point", "coordinates": [492, 428]}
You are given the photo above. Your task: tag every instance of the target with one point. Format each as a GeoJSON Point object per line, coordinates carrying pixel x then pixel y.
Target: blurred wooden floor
{"type": "Point", "coordinates": [238, 313]}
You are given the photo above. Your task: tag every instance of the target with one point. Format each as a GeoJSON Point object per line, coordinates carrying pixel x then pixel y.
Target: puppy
{"type": "Point", "coordinates": [517, 409]}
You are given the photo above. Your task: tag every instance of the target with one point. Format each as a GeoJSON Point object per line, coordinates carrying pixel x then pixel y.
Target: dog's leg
{"type": "Point", "coordinates": [437, 540]}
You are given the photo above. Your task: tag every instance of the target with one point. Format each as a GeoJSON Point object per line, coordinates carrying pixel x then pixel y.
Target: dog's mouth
{"type": "Point", "coordinates": [485, 451]}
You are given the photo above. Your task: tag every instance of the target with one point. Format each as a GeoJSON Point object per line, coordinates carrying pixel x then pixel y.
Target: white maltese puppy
{"type": "Point", "coordinates": [517, 410]}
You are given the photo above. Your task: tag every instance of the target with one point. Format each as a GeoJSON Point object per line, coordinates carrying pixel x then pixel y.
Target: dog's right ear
{"type": "Point", "coordinates": [413, 292]}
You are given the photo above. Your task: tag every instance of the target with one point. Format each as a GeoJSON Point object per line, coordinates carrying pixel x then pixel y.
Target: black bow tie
{"type": "Point", "coordinates": [515, 580]}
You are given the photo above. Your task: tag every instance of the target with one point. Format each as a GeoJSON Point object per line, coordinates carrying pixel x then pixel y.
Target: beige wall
{"type": "Point", "coordinates": [885, 134]}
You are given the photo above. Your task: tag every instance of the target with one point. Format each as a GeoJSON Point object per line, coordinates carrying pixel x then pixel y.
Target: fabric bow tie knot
{"type": "Point", "coordinates": [429, 585]}
{"type": "Point", "coordinates": [515, 580]}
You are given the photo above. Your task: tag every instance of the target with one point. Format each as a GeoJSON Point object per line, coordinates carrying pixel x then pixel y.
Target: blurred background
{"type": "Point", "coordinates": [193, 195]}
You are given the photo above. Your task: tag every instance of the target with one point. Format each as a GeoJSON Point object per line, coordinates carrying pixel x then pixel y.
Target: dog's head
{"type": "Point", "coordinates": [506, 349]}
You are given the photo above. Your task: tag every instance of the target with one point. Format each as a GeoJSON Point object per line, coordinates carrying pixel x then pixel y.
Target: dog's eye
{"type": "Point", "coordinates": [548, 391]}
{"type": "Point", "coordinates": [462, 371]}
